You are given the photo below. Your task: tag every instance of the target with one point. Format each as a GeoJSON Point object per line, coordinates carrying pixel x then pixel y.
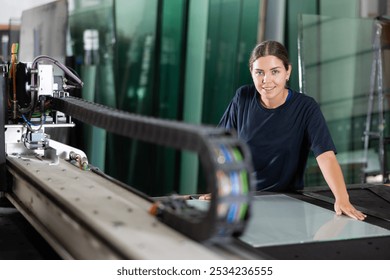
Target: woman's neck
{"type": "Point", "coordinates": [275, 102]}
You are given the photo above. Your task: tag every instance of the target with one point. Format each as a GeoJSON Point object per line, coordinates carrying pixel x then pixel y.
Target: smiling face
{"type": "Point", "coordinates": [270, 77]}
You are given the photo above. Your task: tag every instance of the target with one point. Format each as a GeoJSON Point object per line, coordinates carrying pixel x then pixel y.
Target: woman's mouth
{"type": "Point", "coordinates": [268, 88]}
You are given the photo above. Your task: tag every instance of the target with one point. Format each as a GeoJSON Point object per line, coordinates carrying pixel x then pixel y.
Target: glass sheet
{"type": "Point", "coordinates": [282, 220]}
{"type": "Point", "coordinates": [231, 35]}
{"type": "Point", "coordinates": [92, 38]}
{"type": "Point", "coordinates": [39, 38]}
{"type": "Point", "coordinates": [335, 57]}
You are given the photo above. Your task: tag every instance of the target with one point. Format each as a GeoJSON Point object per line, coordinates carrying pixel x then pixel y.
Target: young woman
{"type": "Point", "coordinates": [281, 126]}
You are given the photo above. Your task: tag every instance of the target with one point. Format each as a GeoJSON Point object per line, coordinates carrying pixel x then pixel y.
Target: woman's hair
{"type": "Point", "coordinates": [269, 48]}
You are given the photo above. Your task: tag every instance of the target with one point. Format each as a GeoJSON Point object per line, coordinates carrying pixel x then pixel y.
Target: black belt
{"type": "Point", "coordinates": [225, 159]}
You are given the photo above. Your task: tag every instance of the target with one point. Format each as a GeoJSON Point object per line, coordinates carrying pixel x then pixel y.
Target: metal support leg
{"type": "Point", "coordinates": [368, 133]}
{"type": "Point", "coordinates": [381, 119]}
{"type": "Point", "coordinates": [376, 79]}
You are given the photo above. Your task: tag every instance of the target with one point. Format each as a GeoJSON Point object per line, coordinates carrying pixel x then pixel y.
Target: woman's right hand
{"type": "Point", "coordinates": [205, 196]}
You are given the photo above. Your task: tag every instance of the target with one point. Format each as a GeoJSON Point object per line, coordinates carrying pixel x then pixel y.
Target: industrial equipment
{"type": "Point", "coordinates": [67, 199]}
{"type": "Point", "coordinates": [84, 213]}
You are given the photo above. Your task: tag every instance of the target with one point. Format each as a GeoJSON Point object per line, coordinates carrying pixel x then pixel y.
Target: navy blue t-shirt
{"type": "Point", "coordinates": [280, 139]}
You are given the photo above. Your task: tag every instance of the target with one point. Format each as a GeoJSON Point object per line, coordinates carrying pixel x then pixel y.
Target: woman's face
{"type": "Point", "coordinates": [270, 76]}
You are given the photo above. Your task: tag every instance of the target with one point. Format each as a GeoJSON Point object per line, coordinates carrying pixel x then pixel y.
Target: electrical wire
{"type": "Point", "coordinates": [233, 183]}
{"type": "Point", "coordinates": [30, 124]}
{"type": "Point", "coordinates": [33, 78]}
{"type": "Point", "coordinates": [12, 75]}
{"type": "Point", "coordinates": [60, 65]}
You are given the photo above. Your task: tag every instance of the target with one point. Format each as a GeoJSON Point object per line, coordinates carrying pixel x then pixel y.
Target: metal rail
{"type": "Point", "coordinates": [84, 216]}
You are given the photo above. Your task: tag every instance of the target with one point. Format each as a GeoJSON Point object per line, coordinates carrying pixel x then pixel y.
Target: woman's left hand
{"type": "Point", "coordinates": [345, 207]}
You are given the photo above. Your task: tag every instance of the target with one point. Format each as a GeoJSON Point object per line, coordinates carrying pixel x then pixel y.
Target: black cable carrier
{"type": "Point", "coordinates": [226, 162]}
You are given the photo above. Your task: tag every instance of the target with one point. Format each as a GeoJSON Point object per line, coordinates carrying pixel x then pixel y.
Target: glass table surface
{"type": "Point", "coordinates": [281, 220]}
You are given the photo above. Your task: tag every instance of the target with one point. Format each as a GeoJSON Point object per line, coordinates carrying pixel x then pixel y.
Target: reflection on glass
{"type": "Point", "coordinates": [335, 57]}
{"type": "Point", "coordinates": [92, 35]}
{"type": "Point", "coordinates": [280, 220]}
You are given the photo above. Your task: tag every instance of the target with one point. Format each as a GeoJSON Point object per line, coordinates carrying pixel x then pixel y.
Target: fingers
{"type": "Point", "coordinates": [355, 214]}
{"type": "Point", "coordinates": [205, 197]}
{"type": "Point", "coordinates": [350, 211]}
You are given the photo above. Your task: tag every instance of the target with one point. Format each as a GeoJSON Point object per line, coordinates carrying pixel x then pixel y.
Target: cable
{"type": "Point", "coordinates": [32, 81]}
{"type": "Point", "coordinates": [60, 65]}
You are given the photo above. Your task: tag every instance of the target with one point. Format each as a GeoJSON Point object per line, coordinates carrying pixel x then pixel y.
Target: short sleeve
{"type": "Point", "coordinates": [318, 132]}
{"type": "Point", "coordinates": [229, 118]}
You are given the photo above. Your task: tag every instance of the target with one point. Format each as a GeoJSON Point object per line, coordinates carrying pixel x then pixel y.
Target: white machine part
{"type": "Point", "coordinates": [46, 80]}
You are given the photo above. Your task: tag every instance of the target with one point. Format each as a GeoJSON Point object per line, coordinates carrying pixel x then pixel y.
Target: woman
{"type": "Point", "coordinates": [281, 126]}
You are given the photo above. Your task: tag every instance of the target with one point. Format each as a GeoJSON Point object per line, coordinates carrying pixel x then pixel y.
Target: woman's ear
{"type": "Point", "coordinates": [289, 70]}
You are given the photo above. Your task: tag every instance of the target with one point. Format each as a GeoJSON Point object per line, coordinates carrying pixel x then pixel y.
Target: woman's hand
{"type": "Point", "coordinates": [333, 175]}
{"type": "Point", "coordinates": [205, 196]}
{"type": "Point", "coordinates": [345, 207]}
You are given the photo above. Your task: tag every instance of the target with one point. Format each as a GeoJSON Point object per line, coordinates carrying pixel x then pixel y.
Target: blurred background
{"type": "Point", "coordinates": [184, 59]}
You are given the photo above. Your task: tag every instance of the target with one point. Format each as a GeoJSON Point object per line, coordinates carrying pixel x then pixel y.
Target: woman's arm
{"type": "Point", "coordinates": [333, 175]}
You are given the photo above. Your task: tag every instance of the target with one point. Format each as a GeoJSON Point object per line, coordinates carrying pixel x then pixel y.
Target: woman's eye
{"type": "Point", "coordinates": [259, 73]}
{"type": "Point", "coordinates": [274, 72]}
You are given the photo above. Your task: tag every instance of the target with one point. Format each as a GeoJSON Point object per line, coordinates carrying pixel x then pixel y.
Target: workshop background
{"type": "Point", "coordinates": [184, 59]}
